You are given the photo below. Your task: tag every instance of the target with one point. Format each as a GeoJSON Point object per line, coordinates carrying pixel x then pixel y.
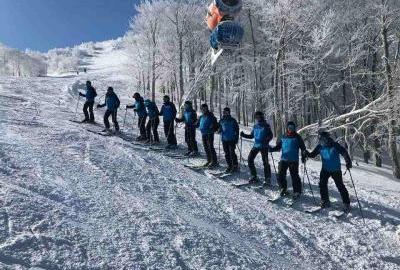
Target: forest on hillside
{"type": "Point", "coordinates": [318, 62]}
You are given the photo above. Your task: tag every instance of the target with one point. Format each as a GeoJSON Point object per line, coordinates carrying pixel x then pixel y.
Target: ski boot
{"type": "Point", "coordinates": [228, 170]}
{"type": "Point", "coordinates": [283, 192]}
{"type": "Point", "coordinates": [325, 204]}
{"type": "Point", "coordinates": [213, 165]}
{"type": "Point", "coordinates": [253, 180]}
{"type": "Point", "coordinates": [106, 130]}
{"type": "Point", "coordinates": [296, 195]}
{"type": "Point", "coordinates": [267, 183]}
{"type": "Point", "coordinates": [346, 208]}
{"type": "Point", "coordinates": [85, 121]}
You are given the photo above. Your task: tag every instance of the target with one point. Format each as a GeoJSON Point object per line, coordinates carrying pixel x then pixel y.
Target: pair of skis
{"type": "Point", "coordinates": [338, 214]}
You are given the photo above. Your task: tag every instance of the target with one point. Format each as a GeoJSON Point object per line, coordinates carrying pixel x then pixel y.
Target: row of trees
{"type": "Point", "coordinates": [21, 64]}
{"type": "Point", "coordinates": [318, 62]}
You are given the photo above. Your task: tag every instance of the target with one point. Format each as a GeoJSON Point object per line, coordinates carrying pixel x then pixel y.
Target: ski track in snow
{"type": "Point", "coordinates": [70, 199]}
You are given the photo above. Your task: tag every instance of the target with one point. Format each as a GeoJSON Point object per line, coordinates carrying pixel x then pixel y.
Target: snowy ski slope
{"type": "Point", "coordinates": [70, 199]}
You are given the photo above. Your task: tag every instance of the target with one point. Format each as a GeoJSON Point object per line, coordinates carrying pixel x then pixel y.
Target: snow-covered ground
{"type": "Point", "coordinates": [70, 199]}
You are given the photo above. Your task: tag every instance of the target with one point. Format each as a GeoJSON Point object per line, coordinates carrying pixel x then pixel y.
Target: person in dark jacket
{"type": "Point", "coordinates": [290, 144]}
{"type": "Point", "coordinates": [168, 112]}
{"type": "Point", "coordinates": [90, 95]}
{"type": "Point", "coordinates": [112, 103]}
{"type": "Point", "coordinates": [190, 118]}
{"type": "Point", "coordinates": [262, 135]}
{"type": "Point", "coordinates": [154, 121]}
{"type": "Point", "coordinates": [229, 130]}
{"type": "Point", "coordinates": [330, 152]}
{"type": "Point", "coordinates": [140, 109]}
{"type": "Point", "coordinates": [208, 125]}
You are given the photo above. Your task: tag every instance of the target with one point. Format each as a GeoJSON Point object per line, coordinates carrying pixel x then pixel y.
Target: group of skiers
{"type": "Point", "coordinates": [290, 144]}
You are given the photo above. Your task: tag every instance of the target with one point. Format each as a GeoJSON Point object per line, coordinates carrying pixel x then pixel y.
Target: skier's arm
{"type": "Point", "coordinates": [237, 128]}
{"type": "Point", "coordinates": [101, 105]}
{"type": "Point", "coordinates": [247, 136]}
{"type": "Point", "coordinates": [161, 111]}
{"type": "Point", "coordinates": [277, 147]}
{"type": "Point", "coordinates": [314, 153]}
{"type": "Point", "coordinates": [82, 95]}
{"type": "Point", "coordinates": [180, 120]}
{"type": "Point", "coordinates": [130, 106]}
{"type": "Point", "coordinates": [345, 155]}
{"type": "Point", "coordinates": [174, 112]}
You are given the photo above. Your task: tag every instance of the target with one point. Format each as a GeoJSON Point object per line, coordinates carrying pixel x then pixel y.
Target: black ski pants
{"type": "Point", "coordinates": [142, 127]}
{"type": "Point", "coordinates": [170, 132]}
{"type": "Point", "coordinates": [293, 167]}
{"type": "Point", "coordinates": [88, 111]}
{"type": "Point", "coordinates": [264, 154]}
{"type": "Point", "coordinates": [190, 138]}
{"type": "Point", "coordinates": [230, 154]}
{"type": "Point", "coordinates": [152, 126]}
{"type": "Point", "coordinates": [337, 177]}
{"type": "Point", "coordinates": [208, 143]}
{"type": "Point", "coordinates": [113, 115]}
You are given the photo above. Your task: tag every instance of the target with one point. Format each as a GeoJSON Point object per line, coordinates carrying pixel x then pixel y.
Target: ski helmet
{"type": "Point", "coordinates": [136, 95]}
{"type": "Point", "coordinates": [259, 114]}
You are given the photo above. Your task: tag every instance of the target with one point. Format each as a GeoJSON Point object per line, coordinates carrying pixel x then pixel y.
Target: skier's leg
{"type": "Point", "coordinates": [156, 122]}
{"type": "Point", "coordinates": [148, 129]}
{"type": "Point", "coordinates": [172, 133]}
{"type": "Point", "coordinates": [337, 177]}
{"type": "Point", "coordinates": [91, 114]}
{"type": "Point", "coordinates": [294, 174]}
{"type": "Point", "coordinates": [85, 111]}
{"type": "Point", "coordinates": [267, 168]}
{"type": "Point", "coordinates": [252, 155]}
{"type": "Point", "coordinates": [115, 120]}
{"type": "Point", "coordinates": [282, 170]}
{"type": "Point", "coordinates": [193, 139]}
{"type": "Point", "coordinates": [228, 158]}
{"type": "Point", "coordinates": [106, 116]}
{"type": "Point", "coordinates": [143, 128]}
{"type": "Point", "coordinates": [214, 158]}
{"type": "Point", "coordinates": [234, 157]}
{"type": "Point", "coordinates": [207, 148]}
{"type": "Point", "coordinates": [323, 186]}
{"type": "Point", "coordinates": [187, 139]}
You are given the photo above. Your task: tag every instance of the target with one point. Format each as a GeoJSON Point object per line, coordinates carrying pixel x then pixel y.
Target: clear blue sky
{"type": "Point", "coordinates": [46, 24]}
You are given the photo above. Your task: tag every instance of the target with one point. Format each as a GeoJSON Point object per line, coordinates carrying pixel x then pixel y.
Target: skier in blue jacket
{"type": "Point", "coordinates": [90, 95]}
{"type": "Point", "coordinates": [154, 121]}
{"type": "Point", "coordinates": [290, 144]}
{"type": "Point", "coordinates": [229, 131]}
{"type": "Point", "coordinates": [112, 103]}
{"type": "Point", "coordinates": [208, 125]}
{"type": "Point", "coordinates": [168, 112]}
{"type": "Point", "coordinates": [140, 109]}
{"type": "Point", "coordinates": [190, 118]}
{"type": "Point", "coordinates": [330, 152]}
{"type": "Point", "coordinates": [262, 135]}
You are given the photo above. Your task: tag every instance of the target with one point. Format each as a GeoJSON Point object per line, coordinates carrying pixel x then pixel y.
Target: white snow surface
{"type": "Point", "coordinates": [71, 199]}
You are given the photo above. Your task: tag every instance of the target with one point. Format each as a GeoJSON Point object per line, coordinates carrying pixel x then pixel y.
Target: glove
{"type": "Point", "coordinates": [80, 94]}
{"type": "Point", "coordinates": [241, 134]}
{"type": "Point", "coordinates": [349, 166]}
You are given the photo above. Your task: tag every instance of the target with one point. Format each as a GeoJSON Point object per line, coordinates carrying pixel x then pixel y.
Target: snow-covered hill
{"type": "Point", "coordinates": [70, 199]}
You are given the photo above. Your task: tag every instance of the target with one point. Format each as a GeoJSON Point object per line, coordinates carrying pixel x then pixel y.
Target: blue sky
{"type": "Point", "coordinates": [46, 24]}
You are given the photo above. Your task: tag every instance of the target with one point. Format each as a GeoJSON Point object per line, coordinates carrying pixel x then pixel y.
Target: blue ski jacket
{"type": "Point", "coordinates": [112, 102]}
{"type": "Point", "coordinates": [330, 155]}
{"type": "Point", "coordinates": [189, 117]}
{"type": "Point", "coordinates": [207, 124]}
{"type": "Point", "coordinates": [229, 129]}
{"type": "Point", "coordinates": [90, 94]}
{"type": "Point", "coordinates": [290, 144]}
{"type": "Point", "coordinates": [261, 134]}
{"type": "Point", "coordinates": [140, 108]}
{"type": "Point", "coordinates": [168, 111]}
{"type": "Point", "coordinates": [152, 110]}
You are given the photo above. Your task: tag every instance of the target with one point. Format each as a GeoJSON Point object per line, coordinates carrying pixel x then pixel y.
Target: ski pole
{"type": "Point", "coordinates": [77, 105]}
{"type": "Point", "coordinates": [355, 191]}
{"type": "Point", "coordinates": [309, 183]}
{"type": "Point", "coordinates": [273, 162]}
{"type": "Point", "coordinates": [219, 147]}
{"type": "Point", "coordinates": [126, 111]}
{"type": "Point", "coordinates": [241, 149]}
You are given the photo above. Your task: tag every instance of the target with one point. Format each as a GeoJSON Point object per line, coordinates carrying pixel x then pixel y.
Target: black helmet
{"type": "Point", "coordinates": [204, 107]}
{"type": "Point", "coordinates": [259, 114]}
{"type": "Point", "coordinates": [88, 83]}
{"type": "Point", "coordinates": [136, 95]}
{"type": "Point", "coordinates": [227, 109]}
{"type": "Point", "coordinates": [166, 98]}
{"type": "Point", "coordinates": [110, 89]}
{"type": "Point", "coordinates": [188, 103]}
